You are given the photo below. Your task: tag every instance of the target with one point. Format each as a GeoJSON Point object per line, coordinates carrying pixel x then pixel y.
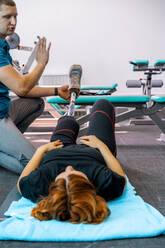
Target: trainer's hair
{"type": "Point", "coordinates": [7, 2]}
{"type": "Point", "coordinates": [74, 201]}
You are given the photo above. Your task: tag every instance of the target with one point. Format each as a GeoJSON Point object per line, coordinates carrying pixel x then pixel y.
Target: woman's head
{"type": "Point", "coordinates": [72, 200]}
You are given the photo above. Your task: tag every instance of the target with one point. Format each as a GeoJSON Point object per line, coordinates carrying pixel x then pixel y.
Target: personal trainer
{"type": "Point", "coordinates": [17, 115]}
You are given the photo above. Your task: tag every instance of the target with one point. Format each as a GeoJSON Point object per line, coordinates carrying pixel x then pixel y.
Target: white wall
{"type": "Point", "coordinates": [101, 35]}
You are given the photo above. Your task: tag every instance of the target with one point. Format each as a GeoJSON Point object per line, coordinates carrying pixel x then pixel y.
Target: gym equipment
{"type": "Point", "coordinates": [31, 58]}
{"type": "Point", "coordinates": [85, 91]}
{"type": "Point", "coordinates": [143, 65]}
{"type": "Point", "coordinates": [141, 105]}
{"type": "Point", "coordinates": [74, 89]}
{"type": "Point", "coordinates": [14, 43]}
{"type": "Point", "coordinates": [13, 40]}
{"type": "Point", "coordinates": [148, 83]}
{"type": "Point", "coordinates": [142, 83]}
{"type": "Point", "coordinates": [98, 90]}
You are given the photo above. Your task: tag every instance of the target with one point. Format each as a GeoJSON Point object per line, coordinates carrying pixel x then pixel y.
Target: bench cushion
{"type": "Point", "coordinates": [93, 99]}
{"type": "Point", "coordinates": [90, 87]}
{"type": "Point", "coordinates": [158, 99]}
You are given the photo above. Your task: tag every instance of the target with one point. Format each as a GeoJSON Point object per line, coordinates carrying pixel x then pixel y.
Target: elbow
{"type": "Point", "coordinates": [122, 187]}
{"type": "Point", "coordinates": [22, 90]}
{"type": "Point", "coordinates": [125, 184]}
{"type": "Point", "coordinates": [21, 93]}
{"type": "Point", "coordinates": [18, 187]}
{"type": "Point", "coordinates": [22, 86]}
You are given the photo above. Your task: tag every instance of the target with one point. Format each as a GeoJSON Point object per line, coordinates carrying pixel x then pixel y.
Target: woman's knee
{"type": "Point", "coordinates": [66, 130]}
{"type": "Point", "coordinates": [103, 104]}
{"type": "Point", "coordinates": [68, 122]}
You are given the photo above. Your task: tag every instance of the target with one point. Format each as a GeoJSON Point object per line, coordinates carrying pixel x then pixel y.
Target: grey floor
{"type": "Point", "coordinates": [143, 159]}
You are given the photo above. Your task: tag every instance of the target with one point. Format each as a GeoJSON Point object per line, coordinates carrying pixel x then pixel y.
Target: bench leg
{"type": "Point", "coordinates": [129, 114]}
{"type": "Point", "coordinates": [157, 120]}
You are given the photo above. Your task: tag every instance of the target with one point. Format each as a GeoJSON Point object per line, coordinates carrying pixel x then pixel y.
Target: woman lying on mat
{"type": "Point", "coordinates": [74, 181]}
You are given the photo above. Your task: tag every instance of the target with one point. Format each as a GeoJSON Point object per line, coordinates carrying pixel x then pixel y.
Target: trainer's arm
{"type": "Point", "coordinates": [110, 160]}
{"type": "Point", "coordinates": [39, 91]}
{"type": "Point", "coordinates": [37, 157]}
{"type": "Point", "coordinates": [22, 84]}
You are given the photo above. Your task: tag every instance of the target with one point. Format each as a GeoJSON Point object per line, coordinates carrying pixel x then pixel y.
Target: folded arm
{"type": "Point", "coordinates": [111, 162]}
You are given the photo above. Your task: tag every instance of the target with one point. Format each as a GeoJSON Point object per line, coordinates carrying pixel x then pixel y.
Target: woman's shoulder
{"type": "Point", "coordinates": [36, 184]}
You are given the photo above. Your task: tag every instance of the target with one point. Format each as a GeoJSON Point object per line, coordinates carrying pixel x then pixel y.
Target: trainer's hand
{"type": "Point", "coordinates": [42, 52]}
{"type": "Point", "coordinates": [64, 92]}
{"type": "Point", "coordinates": [50, 146]}
{"type": "Point", "coordinates": [92, 141]}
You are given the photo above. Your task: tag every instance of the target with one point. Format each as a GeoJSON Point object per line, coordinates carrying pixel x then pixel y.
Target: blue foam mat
{"type": "Point", "coordinates": [130, 217]}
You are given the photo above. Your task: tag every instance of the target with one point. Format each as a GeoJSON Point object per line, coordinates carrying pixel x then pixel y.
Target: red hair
{"type": "Point", "coordinates": [76, 202]}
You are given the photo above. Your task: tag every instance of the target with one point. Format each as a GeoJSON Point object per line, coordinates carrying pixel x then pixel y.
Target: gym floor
{"type": "Point", "coordinates": [142, 156]}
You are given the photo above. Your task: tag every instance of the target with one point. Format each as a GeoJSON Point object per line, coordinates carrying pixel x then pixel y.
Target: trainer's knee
{"type": "Point", "coordinates": [40, 103]}
{"type": "Point", "coordinates": [37, 105]}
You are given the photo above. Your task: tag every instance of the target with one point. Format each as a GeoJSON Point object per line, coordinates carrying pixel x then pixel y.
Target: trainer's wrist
{"type": "Point", "coordinates": [40, 64]}
{"type": "Point", "coordinates": [56, 91]}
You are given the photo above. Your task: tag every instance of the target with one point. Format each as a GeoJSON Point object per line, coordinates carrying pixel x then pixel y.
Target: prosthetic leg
{"type": "Point", "coordinates": [75, 78]}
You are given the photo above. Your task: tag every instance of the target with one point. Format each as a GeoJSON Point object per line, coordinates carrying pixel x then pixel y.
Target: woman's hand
{"type": "Point", "coordinates": [110, 160]}
{"type": "Point", "coordinates": [50, 146]}
{"type": "Point", "coordinates": [92, 141]}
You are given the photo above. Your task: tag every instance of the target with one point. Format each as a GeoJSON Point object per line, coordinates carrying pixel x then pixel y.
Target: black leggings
{"type": "Point", "coordinates": [101, 124]}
